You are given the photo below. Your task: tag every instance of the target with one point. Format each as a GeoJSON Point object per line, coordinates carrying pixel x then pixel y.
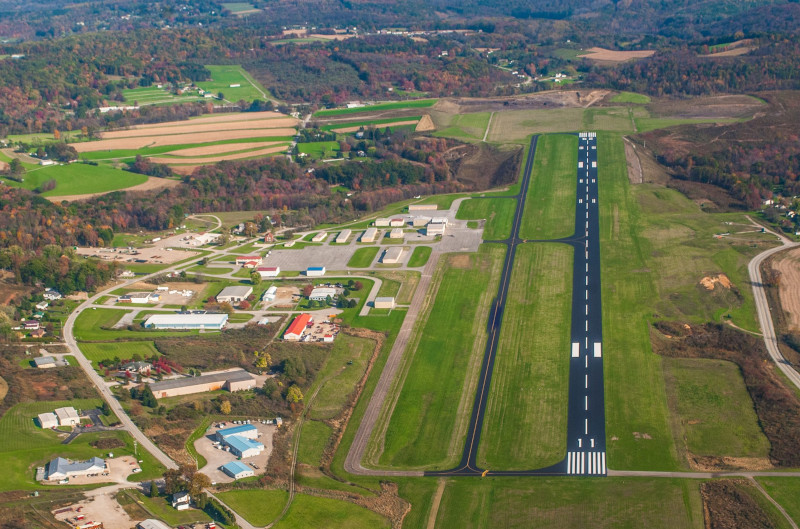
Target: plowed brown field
{"type": "Point", "coordinates": [194, 127]}
{"type": "Point", "coordinates": [179, 139]}
{"type": "Point", "coordinates": [221, 148]}
{"type": "Point", "coordinates": [602, 54]}
{"type": "Point", "coordinates": [392, 124]}
{"type": "Point", "coordinates": [214, 159]}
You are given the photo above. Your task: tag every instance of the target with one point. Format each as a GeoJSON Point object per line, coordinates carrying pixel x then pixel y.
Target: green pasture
{"type": "Point", "coordinates": [419, 256]}
{"type": "Point", "coordinates": [417, 103]}
{"type": "Point", "coordinates": [79, 179]}
{"type": "Point", "coordinates": [222, 76]}
{"type": "Point", "coordinates": [498, 213]}
{"type": "Point", "coordinates": [363, 257]}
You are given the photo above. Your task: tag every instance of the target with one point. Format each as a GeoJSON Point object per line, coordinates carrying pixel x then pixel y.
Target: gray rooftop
{"type": "Point", "coordinates": [232, 376]}
{"type": "Point", "coordinates": [236, 291]}
{"type": "Point", "coordinates": [60, 465]}
{"type": "Point", "coordinates": [42, 360]}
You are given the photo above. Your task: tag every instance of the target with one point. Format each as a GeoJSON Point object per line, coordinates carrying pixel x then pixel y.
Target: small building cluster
{"type": "Point", "coordinates": [303, 329]}
{"type": "Point", "coordinates": [140, 297]}
{"type": "Point", "coordinates": [67, 416]}
{"type": "Point", "coordinates": [240, 440]}
{"type": "Point", "coordinates": [298, 327]}
{"type": "Point", "coordinates": [233, 380]}
{"type": "Point", "coordinates": [269, 294]}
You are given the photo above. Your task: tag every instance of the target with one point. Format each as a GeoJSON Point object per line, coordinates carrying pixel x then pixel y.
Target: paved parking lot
{"type": "Point", "coordinates": [216, 458]}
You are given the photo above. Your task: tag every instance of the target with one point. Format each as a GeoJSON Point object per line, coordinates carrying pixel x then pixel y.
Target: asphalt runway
{"type": "Point", "coordinates": [586, 451]}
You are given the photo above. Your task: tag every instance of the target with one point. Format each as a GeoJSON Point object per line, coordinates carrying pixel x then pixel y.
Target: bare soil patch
{"type": "Point", "coordinates": [214, 159]}
{"type": "Point", "coordinates": [459, 261]}
{"type": "Point", "coordinates": [184, 169]}
{"type": "Point", "coordinates": [221, 149]}
{"type": "Point", "coordinates": [101, 505]}
{"type": "Point", "coordinates": [483, 166]}
{"type": "Point", "coordinates": [602, 54]}
{"type": "Point", "coordinates": [392, 124]}
{"type": "Point", "coordinates": [548, 99]}
{"type": "Point", "coordinates": [729, 504]}
{"type": "Point", "coordinates": [714, 464]}
{"type": "Point", "coordinates": [789, 287]}
{"type": "Point", "coordinates": [775, 404]}
{"type": "Point", "coordinates": [710, 282]}
{"type": "Point", "coordinates": [179, 139]}
{"type": "Point", "coordinates": [425, 124]}
{"type": "Point", "coordinates": [151, 183]}
{"type": "Point", "coordinates": [721, 106]}
{"type": "Point", "coordinates": [635, 174]}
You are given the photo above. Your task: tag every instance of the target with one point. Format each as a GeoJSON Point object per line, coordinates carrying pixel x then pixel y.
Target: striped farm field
{"type": "Point", "coordinates": [221, 157]}
{"type": "Point", "coordinates": [222, 148]}
{"type": "Point", "coordinates": [179, 139]}
{"type": "Point", "coordinates": [191, 127]}
{"type": "Point", "coordinates": [354, 128]}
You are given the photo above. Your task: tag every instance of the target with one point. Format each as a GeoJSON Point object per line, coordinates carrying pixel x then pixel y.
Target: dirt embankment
{"type": "Point", "coordinates": [775, 404]}
{"type": "Point", "coordinates": [550, 99]}
{"type": "Point", "coordinates": [483, 166]}
{"type": "Point", "coordinates": [788, 266]}
{"type": "Point", "coordinates": [729, 504]}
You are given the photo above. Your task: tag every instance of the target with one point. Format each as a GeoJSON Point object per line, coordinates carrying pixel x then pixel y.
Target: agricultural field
{"type": "Point", "coordinates": [185, 145]}
{"type": "Point", "coordinates": [428, 425]}
{"type": "Point", "coordinates": [498, 213]}
{"type": "Point", "coordinates": [78, 179]}
{"type": "Point", "coordinates": [223, 76]}
{"type": "Point", "coordinates": [550, 204]}
{"type": "Point", "coordinates": [418, 103]}
{"type": "Point", "coordinates": [713, 409]}
{"type": "Point", "coordinates": [463, 126]}
{"type": "Point", "coordinates": [565, 503]}
{"type": "Point", "coordinates": [240, 8]}
{"type": "Point", "coordinates": [605, 56]}
{"type": "Point", "coordinates": [526, 414]}
{"type": "Point", "coordinates": [354, 126]}
{"type": "Point", "coordinates": [151, 95]}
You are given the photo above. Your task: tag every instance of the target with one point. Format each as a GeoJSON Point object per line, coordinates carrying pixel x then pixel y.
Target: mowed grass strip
{"type": "Point", "coordinates": [714, 410]}
{"type": "Point", "coordinates": [419, 256]}
{"type": "Point", "coordinates": [98, 352]}
{"type": "Point", "coordinates": [498, 212]}
{"type": "Point", "coordinates": [466, 126]}
{"type": "Point", "coordinates": [567, 503]}
{"type": "Point", "coordinates": [427, 426]}
{"type": "Point", "coordinates": [550, 204]}
{"type": "Point", "coordinates": [363, 257]}
{"type": "Point", "coordinates": [310, 511]}
{"type": "Point", "coordinates": [257, 506]}
{"type": "Point", "coordinates": [223, 76]}
{"type": "Point", "coordinates": [786, 491]}
{"type": "Point", "coordinates": [526, 414]}
{"type": "Point", "coordinates": [418, 103]}
{"type": "Point", "coordinates": [635, 396]}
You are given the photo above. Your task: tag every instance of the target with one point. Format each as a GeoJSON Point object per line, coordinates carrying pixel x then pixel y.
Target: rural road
{"type": "Point", "coordinates": [762, 308]}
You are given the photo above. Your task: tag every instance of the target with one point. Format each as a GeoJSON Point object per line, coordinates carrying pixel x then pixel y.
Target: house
{"type": "Point", "coordinates": [322, 293]}
{"type": "Point", "coordinates": [242, 259]}
{"type": "Point", "coordinates": [315, 271]}
{"type": "Point", "coordinates": [44, 362]}
{"type": "Point", "coordinates": [234, 294]}
{"type": "Point", "coordinates": [392, 255]}
{"type": "Point", "coordinates": [237, 470]}
{"type": "Point", "coordinates": [319, 237]}
{"type": "Point", "coordinates": [434, 229]}
{"type": "Point", "coordinates": [60, 468]}
{"type": "Point", "coordinates": [67, 416]}
{"type": "Point", "coordinates": [269, 294]}
{"type": "Point", "coordinates": [232, 380]}
{"type": "Point", "coordinates": [297, 327]}
{"type": "Point", "coordinates": [48, 420]}
{"type": "Point", "coordinates": [30, 325]}
{"type": "Point", "coordinates": [268, 271]}
{"type": "Point", "coordinates": [42, 305]}
{"type": "Point", "coordinates": [343, 236]}
{"type": "Point", "coordinates": [243, 447]}
{"type": "Point", "coordinates": [51, 295]}
{"type": "Point", "coordinates": [186, 321]}
{"type": "Point", "coordinates": [384, 303]}
{"type": "Point", "coordinates": [269, 237]}
{"type": "Point", "coordinates": [137, 367]}
{"type": "Point", "coordinates": [369, 235]}
{"type": "Point", "coordinates": [396, 233]}
{"type": "Point", "coordinates": [397, 223]}
{"type": "Point", "coordinates": [181, 501]}
{"type": "Point", "coordinates": [38, 333]}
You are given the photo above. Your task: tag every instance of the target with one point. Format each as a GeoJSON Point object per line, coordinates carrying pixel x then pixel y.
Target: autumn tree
{"type": "Point", "coordinates": [293, 394]}
{"type": "Point", "coordinates": [225, 407]}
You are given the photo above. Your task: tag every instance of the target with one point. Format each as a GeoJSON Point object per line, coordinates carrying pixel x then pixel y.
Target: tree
{"type": "Point", "coordinates": [15, 167]}
{"type": "Point", "coordinates": [255, 278]}
{"type": "Point", "coordinates": [294, 394]}
{"type": "Point", "coordinates": [173, 481]}
{"type": "Point", "coordinates": [225, 407]}
{"type": "Point", "coordinates": [264, 360]}
{"type": "Point", "coordinates": [153, 489]}
{"type": "Point", "coordinates": [197, 483]}
{"type": "Point", "coordinates": [148, 399]}
{"type": "Point", "coordinates": [307, 290]}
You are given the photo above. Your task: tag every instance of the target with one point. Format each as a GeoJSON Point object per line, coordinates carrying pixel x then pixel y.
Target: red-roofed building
{"type": "Point", "coordinates": [243, 259]}
{"type": "Point", "coordinates": [269, 271]}
{"type": "Point", "coordinates": [251, 264]}
{"type": "Point", "coordinates": [298, 327]}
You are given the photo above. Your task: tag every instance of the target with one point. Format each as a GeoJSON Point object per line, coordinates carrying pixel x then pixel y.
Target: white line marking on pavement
{"type": "Point", "coordinates": [586, 403]}
{"type": "Point", "coordinates": [576, 350]}
{"type": "Point", "coordinates": [598, 349]}
{"type": "Point", "coordinates": [583, 457]}
{"type": "Point", "coordinates": [586, 426]}
{"type": "Point", "coordinates": [586, 381]}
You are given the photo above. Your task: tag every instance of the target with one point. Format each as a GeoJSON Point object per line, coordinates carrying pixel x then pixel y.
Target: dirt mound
{"type": "Point", "coordinates": [425, 124]}
{"type": "Point", "coordinates": [482, 166]}
{"type": "Point", "coordinates": [710, 282]}
{"type": "Point", "coordinates": [728, 504]}
{"type": "Point", "coordinates": [717, 464]}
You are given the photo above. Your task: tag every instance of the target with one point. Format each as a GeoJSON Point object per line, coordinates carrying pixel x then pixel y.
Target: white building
{"type": "Point", "coordinates": [186, 321]}
{"type": "Point", "coordinates": [396, 233]}
{"type": "Point", "coordinates": [435, 229]}
{"type": "Point", "coordinates": [343, 236]}
{"type": "Point", "coordinates": [384, 303]}
{"type": "Point", "coordinates": [321, 236]}
{"type": "Point", "coordinates": [369, 235]}
{"type": "Point", "coordinates": [322, 293]}
{"type": "Point", "coordinates": [151, 523]}
{"type": "Point", "coordinates": [51, 294]}
{"type": "Point", "coordinates": [237, 470]}
{"type": "Point", "coordinates": [181, 501]}
{"type": "Point", "coordinates": [60, 468]}
{"type": "Point", "coordinates": [383, 223]}
{"type": "Point", "coordinates": [67, 416]}
{"type": "Point", "coordinates": [315, 271]}
{"type": "Point", "coordinates": [397, 223]}
{"type": "Point", "coordinates": [48, 420]}
{"type": "Point", "coordinates": [234, 294]}
{"type": "Point", "coordinates": [268, 271]}
{"type": "Point", "coordinates": [392, 255]}
{"type": "Point", "coordinates": [439, 220]}
{"type": "Point", "coordinates": [270, 293]}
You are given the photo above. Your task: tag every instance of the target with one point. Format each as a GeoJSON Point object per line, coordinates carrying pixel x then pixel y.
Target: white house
{"type": "Point", "coordinates": [51, 294]}
{"type": "Point", "coordinates": [181, 501]}
{"type": "Point", "coordinates": [268, 271]}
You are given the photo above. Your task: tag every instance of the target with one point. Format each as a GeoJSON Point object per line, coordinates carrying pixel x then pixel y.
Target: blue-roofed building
{"type": "Point", "coordinates": [247, 431]}
{"type": "Point", "coordinates": [237, 470]}
{"type": "Point", "coordinates": [243, 447]}
{"type": "Point", "coordinates": [315, 271]}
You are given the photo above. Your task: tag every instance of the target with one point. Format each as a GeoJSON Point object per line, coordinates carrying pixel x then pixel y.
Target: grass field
{"type": "Point", "coordinates": [88, 327]}
{"type": "Point", "coordinates": [151, 95]}
{"type": "Point", "coordinates": [257, 506]}
{"type": "Point", "coordinates": [162, 508]}
{"type": "Point", "coordinates": [222, 76]}
{"type": "Point", "coordinates": [363, 257]}
{"type": "Point", "coordinates": [498, 212]}
{"type": "Point", "coordinates": [526, 414]}
{"type": "Point", "coordinates": [465, 126]}
{"type": "Point", "coordinates": [319, 149]}
{"type": "Point", "coordinates": [419, 256]}
{"type": "Point", "coordinates": [311, 511]}
{"type": "Point", "coordinates": [428, 425]}
{"type": "Point", "coordinates": [125, 154]}
{"type": "Point", "coordinates": [342, 370]}
{"type": "Point", "coordinates": [630, 97]}
{"type": "Point", "coordinates": [377, 123]}
{"type": "Point", "coordinates": [79, 179]}
{"type": "Point", "coordinates": [97, 352]}
{"type": "Point", "coordinates": [417, 103]}
{"type": "Point", "coordinates": [785, 491]}
{"type": "Point", "coordinates": [550, 204]}
{"type": "Point", "coordinates": [23, 445]}
{"type": "Point", "coordinates": [239, 7]}
{"type": "Point", "coordinates": [566, 503]}
{"type": "Point", "coordinates": [714, 411]}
